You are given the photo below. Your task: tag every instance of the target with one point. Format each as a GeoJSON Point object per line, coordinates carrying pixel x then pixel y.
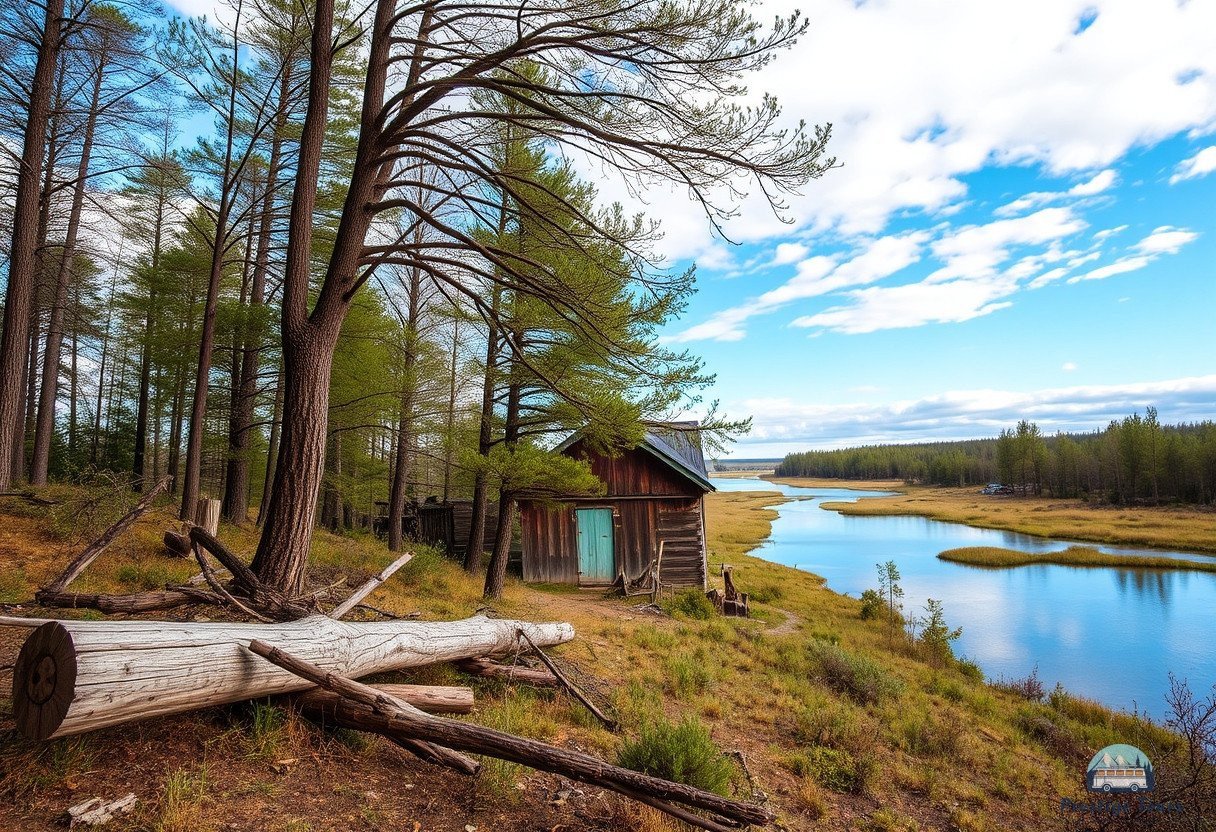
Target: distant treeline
{"type": "Point", "coordinates": [1135, 459]}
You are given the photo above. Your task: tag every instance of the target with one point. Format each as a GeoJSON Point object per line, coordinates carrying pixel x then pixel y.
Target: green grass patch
{"type": "Point", "coordinates": [995, 557]}
{"type": "Point", "coordinates": [851, 674]}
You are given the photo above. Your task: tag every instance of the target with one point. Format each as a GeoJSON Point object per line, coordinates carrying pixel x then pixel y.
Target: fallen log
{"type": "Point", "coordinates": [77, 676]}
{"type": "Point", "coordinates": [90, 553]}
{"type": "Point", "coordinates": [433, 699]}
{"type": "Point", "coordinates": [368, 705]}
{"type": "Point", "coordinates": [151, 601]}
{"type": "Point", "coordinates": [510, 673]}
{"type": "Point", "coordinates": [367, 588]}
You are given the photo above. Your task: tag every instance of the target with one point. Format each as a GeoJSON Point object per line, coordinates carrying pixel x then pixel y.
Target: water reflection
{"type": "Point", "coordinates": [1112, 634]}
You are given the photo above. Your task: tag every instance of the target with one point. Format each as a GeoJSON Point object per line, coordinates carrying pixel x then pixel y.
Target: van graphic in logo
{"type": "Point", "coordinates": [1120, 768]}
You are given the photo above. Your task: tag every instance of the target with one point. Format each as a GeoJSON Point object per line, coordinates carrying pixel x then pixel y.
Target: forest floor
{"type": "Point", "coordinates": [843, 723]}
{"type": "Point", "coordinates": [1181, 528]}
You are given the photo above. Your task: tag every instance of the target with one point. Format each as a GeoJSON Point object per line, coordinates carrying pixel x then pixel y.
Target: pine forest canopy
{"type": "Point", "coordinates": [1135, 459]}
{"type": "Point", "coordinates": [379, 275]}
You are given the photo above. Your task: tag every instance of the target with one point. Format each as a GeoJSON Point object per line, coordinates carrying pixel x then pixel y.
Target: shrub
{"type": "Point", "coordinates": [685, 676]}
{"type": "Point", "coordinates": [1030, 688]}
{"type": "Point", "coordinates": [682, 752]}
{"type": "Point", "coordinates": [925, 736]}
{"type": "Point", "coordinates": [690, 603]}
{"type": "Point", "coordinates": [767, 593]}
{"type": "Point", "coordinates": [837, 770]}
{"type": "Point", "coordinates": [854, 676]}
{"type": "Point", "coordinates": [970, 670]}
{"type": "Point", "coordinates": [828, 725]}
{"type": "Point", "coordinates": [872, 605]}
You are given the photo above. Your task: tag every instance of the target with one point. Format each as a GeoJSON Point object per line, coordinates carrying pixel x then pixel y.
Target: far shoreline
{"type": "Point", "coordinates": [1181, 529]}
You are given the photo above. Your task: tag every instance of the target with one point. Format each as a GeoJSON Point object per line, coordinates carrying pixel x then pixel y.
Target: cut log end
{"type": "Point", "coordinates": [44, 681]}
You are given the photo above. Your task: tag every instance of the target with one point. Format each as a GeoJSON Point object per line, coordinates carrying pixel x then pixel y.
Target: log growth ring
{"type": "Point", "coordinates": [44, 680]}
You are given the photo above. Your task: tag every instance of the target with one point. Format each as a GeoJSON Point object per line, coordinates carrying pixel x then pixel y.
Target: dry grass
{"type": "Point", "coordinates": [935, 739]}
{"type": "Point", "coordinates": [998, 558]}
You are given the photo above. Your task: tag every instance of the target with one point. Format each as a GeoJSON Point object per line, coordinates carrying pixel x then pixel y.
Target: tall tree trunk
{"type": "Point", "coordinates": [228, 193]}
{"type": "Point", "coordinates": [74, 377]}
{"type": "Point", "coordinates": [105, 354]}
{"type": "Point", "coordinates": [485, 437]}
{"type": "Point", "coordinates": [496, 573]}
{"type": "Point", "coordinates": [451, 423]}
{"type": "Point", "coordinates": [49, 394]}
{"type": "Point", "coordinates": [308, 345]}
{"type": "Point", "coordinates": [272, 450]}
{"type": "Point", "coordinates": [236, 489]}
{"type": "Point", "coordinates": [139, 463]}
{"type": "Point", "coordinates": [309, 339]}
{"type": "Point", "coordinates": [23, 252]}
{"type": "Point", "coordinates": [405, 425]}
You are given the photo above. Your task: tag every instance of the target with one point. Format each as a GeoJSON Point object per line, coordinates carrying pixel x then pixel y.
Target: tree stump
{"type": "Point", "coordinates": [207, 516]}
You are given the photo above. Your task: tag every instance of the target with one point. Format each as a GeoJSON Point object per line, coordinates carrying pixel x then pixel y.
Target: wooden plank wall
{"type": "Point", "coordinates": [550, 539]}
{"type": "Point", "coordinates": [447, 525]}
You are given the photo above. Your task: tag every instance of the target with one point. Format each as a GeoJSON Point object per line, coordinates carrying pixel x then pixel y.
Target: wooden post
{"type": "Point", "coordinates": [77, 676]}
{"type": "Point", "coordinates": [207, 516]}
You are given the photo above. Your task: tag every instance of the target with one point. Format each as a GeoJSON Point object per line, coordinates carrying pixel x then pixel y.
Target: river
{"type": "Point", "coordinates": [1108, 634]}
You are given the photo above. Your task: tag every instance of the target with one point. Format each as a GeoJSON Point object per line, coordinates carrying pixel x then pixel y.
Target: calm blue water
{"type": "Point", "coordinates": [1113, 635]}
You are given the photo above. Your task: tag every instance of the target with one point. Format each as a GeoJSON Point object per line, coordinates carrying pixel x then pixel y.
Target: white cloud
{"type": "Point", "coordinates": [916, 304]}
{"type": "Point", "coordinates": [1201, 164]}
{"type": "Point", "coordinates": [787, 253]}
{"type": "Point", "coordinates": [1100, 182]}
{"type": "Point", "coordinates": [1069, 367]}
{"type": "Point", "coordinates": [1092, 187]}
{"type": "Point", "coordinates": [818, 275]}
{"type": "Point", "coordinates": [781, 424]}
{"type": "Point", "coordinates": [1106, 233]}
{"type": "Point", "coordinates": [1165, 240]}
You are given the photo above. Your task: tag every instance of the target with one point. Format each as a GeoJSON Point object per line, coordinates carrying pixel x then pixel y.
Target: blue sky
{"type": "Point", "coordinates": [1023, 225]}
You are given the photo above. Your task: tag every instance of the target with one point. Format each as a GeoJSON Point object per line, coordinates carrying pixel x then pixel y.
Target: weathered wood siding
{"type": "Point", "coordinates": [447, 525]}
{"type": "Point", "coordinates": [649, 501]}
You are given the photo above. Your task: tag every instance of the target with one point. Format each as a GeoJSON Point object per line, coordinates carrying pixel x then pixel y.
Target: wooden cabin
{"type": "Point", "coordinates": [655, 492]}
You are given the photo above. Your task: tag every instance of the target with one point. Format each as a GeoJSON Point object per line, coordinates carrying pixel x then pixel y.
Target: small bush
{"type": "Point", "coordinates": [854, 676]}
{"type": "Point", "coordinates": [686, 676]}
{"type": "Point", "coordinates": [682, 752]}
{"type": "Point", "coordinates": [873, 605]}
{"type": "Point", "coordinates": [831, 726]}
{"type": "Point", "coordinates": [690, 603]}
{"type": "Point", "coordinates": [832, 768]}
{"type": "Point", "coordinates": [925, 736]}
{"type": "Point", "coordinates": [425, 562]}
{"type": "Point", "coordinates": [767, 593]}
{"type": "Point", "coordinates": [1030, 688]}
{"type": "Point", "coordinates": [970, 670]}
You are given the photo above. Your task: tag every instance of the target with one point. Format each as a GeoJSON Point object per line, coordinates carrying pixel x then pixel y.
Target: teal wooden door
{"type": "Point", "coordinates": [596, 556]}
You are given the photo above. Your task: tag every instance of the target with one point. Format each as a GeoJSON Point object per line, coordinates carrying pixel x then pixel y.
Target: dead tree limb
{"type": "Point", "coordinates": [463, 736]}
{"type": "Point", "coordinates": [152, 601]}
{"type": "Point", "coordinates": [30, 496]}
{"type": "Point", "coordinates": [570, 687]}
{"type": "Point", "coordinates": [82, 561]}
{"type": "Point", "coordinates": [511, 673]}
{"type": "Point", "coordinates": [369, 586]}
{"type": "Point", "coordinates": [77, 676]}
{"type": "Point", "coordinates": [434, 699]}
